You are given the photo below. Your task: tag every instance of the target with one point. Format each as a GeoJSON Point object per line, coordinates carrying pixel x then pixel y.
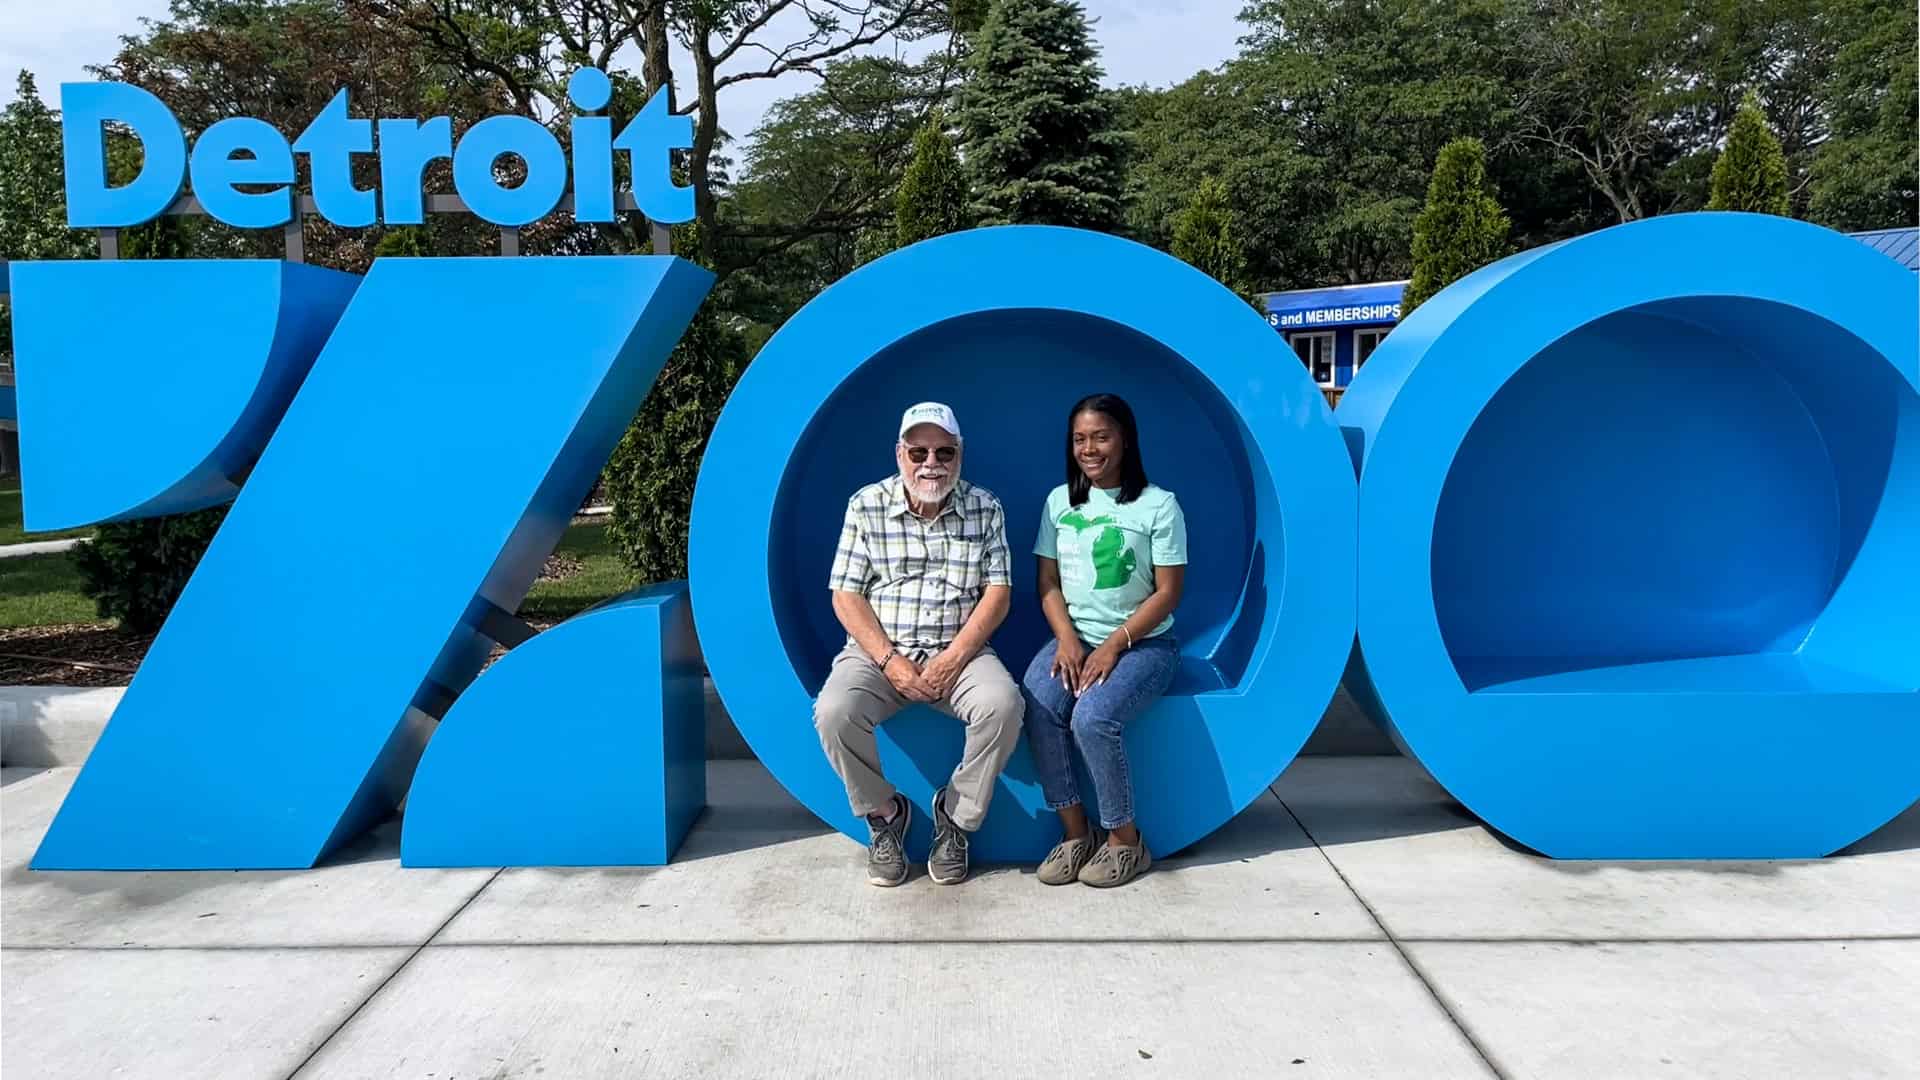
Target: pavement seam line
{"type": "Point", "coordinates": [391, 975]}
{"type": "Point", "coordinates": [1446, 1007]}
{"type": "Point", "coordinates": [994, 942]}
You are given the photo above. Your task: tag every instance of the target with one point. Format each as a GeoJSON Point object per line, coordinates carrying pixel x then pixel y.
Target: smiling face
{"type": "Point", "coordinates": [1097, 447]}
{"type": "Point", "coordinates": [932, 478]}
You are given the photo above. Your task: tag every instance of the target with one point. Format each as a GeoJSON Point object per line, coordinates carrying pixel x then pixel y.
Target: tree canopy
{"type": "Point", "coordinates": [1303, 160]}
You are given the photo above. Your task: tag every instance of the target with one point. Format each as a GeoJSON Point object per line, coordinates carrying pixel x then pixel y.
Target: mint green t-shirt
{"type": "Point", "coordinates": [1107, 551]}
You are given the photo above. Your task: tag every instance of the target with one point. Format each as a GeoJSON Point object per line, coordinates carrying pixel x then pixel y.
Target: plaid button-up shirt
{"type": "Point", "coordinates": [923, 578]}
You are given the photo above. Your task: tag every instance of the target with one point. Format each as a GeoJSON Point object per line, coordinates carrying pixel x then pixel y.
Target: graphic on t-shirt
{"type": "Point", "coordinates": [1113, 561]}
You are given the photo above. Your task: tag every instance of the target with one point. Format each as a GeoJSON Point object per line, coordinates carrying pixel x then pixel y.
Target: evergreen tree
{"type": "Point", "coordinates": [933, 194]}
{"type": "Point", "coordinates": [1462, 227]}
{"type": "Point", "coordinates": [1037, 132]}
{"type": "Point", "coordinates": [1751, 173]}
{"type": "Point", "coordinates": [967, 16]}
{"type": "Point", "coordinates": [33, 202]}
{"type": "Point", "coordinates": [650, 477]}
{"type": "Point", "coordinates": [1205, 237]}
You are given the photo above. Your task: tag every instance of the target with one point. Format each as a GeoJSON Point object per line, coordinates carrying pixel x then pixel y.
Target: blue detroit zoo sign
{"type": "Point", "coordinates": [1629, 553]}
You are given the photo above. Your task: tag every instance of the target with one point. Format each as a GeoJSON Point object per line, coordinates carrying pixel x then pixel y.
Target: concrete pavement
{"type": "Point", "coordinates": [1353, 923]}
{"type": "Point", "coordinates": [39, 547]}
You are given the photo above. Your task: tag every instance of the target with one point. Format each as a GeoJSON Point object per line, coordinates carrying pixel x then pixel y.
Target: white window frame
{"type": "Point", "coordinates": [1379, 334]}
{"type": "Point", "coordinates": [1333, 354]}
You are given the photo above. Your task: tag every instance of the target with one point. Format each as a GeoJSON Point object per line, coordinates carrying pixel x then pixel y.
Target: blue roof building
{"type": "Point", "coordinates": [1334, 330]}
{"type": "Point", "coordinates": [1900, 245]}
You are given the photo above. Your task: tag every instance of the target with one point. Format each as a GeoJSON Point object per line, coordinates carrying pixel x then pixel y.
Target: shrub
{"type": "Point", "coordinates": [134, 570]}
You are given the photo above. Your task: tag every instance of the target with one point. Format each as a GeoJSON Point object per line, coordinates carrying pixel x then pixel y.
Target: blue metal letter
{"type": "Point", "coordinates": [196, 366]}
{"type": "Point", "coordinates": [632, 732]}
{"type": "Point", "coordinates": [85, 110]}
{"type": "Point", "coordinates": [330, 143]}
{"type": "Point", "coordinates": [215, 172]}
{"type": "Point", "coordinates": [536, 196]}
{"type": "Point", "coordinates": [652, 136]}
{"type": "Point", "coordinates": [1011, 326]}
{"type": "Point", "coordinates": [406, 146]}
{"type": "Point", "coordinates": [1639, 515]}
{"type": "Point", "coordinates": [590, 89]}
{"type": "Point", "coordinates": [328, 603]}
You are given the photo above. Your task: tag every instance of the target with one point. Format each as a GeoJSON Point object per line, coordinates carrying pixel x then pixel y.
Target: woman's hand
{"type": "Point", "coordinates": [1098, 665]}
{"type": "Point", "coordinates": [1067, 661]}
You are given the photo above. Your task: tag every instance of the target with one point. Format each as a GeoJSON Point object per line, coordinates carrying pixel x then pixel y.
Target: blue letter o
{"type": "Point", "coordinates": [1011, 326]}
{"type": "Point", "coordinates": [1640, 540]}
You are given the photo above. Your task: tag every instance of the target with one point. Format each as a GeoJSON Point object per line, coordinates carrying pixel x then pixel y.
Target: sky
{"type": "Point", "coordinates": [1143, 42]}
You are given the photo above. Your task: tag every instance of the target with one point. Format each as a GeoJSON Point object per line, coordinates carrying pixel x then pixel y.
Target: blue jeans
{"type": "Point", "coordinates": [1056, 721]}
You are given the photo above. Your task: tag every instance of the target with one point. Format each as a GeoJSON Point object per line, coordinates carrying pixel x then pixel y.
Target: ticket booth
{"type": "Point", "coordinates": [1333, 331]}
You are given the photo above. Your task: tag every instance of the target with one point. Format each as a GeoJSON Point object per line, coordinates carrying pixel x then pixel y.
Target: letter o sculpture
{"type": "Point", "coordinates": [1639, 532]}
{"type": "Point", "coordinates": [1011, 326]}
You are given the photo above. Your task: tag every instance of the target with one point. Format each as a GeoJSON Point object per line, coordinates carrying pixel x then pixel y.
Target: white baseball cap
{"type": "Point", "coordinates": [930, 412]}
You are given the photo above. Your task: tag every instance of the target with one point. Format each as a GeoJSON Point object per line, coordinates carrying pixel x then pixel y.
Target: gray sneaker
{"type": "Point", "coordinates": [887, 846]}
{"type": "Point", "coordinates": [1063, 864]}
{"type": "Point", "coordinates": [1111, 866]}
{"type": "Point", "coordinates": [947, 862]}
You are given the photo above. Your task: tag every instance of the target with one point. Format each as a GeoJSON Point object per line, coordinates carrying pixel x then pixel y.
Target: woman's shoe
{"type": "Point", "coordinates": [1064, 863]}
{"type": "Point", "coordinates": [1111, 866]}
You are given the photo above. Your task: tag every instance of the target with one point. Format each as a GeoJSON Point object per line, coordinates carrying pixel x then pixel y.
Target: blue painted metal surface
{"type": "Point", "coordinates": [85, 111]}
{"type": "Point", "coordinates": [158, 407]}
{"type": "Point", "coordinates": [241, 150]}
{"type": "Point", "coordinates": [629, 769]}
{"type": "Point", "coordinates": [533, 197]}
{"type": "Point", "coordinates": [1011, 326]}
{"type": "Point", "coordinates": [1638, 520]}
{"type": "Point", "coordinates": [267, 720]}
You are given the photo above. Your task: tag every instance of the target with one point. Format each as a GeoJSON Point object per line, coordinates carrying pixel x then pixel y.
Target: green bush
{"type": "Point", "coordinates": [651, 474]}
{"type": "Point", "coordinates": [1751, 173]}
{"type": "Point", "coordinates": [134, 570]}
{"type": "Point", "coordinates": [1206, 237]}
{"type": "Point", "coordinates": [1462, 228]}
{"type": "Point", "coordinates": [933, 197]}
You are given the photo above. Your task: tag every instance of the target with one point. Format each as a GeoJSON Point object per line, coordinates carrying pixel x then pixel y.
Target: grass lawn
{"type": "Point", "coordinates": [10, 530]}
{"type": "Point", "coordinates": [41, 590]}
{"type": "Point", "coordinates": [601, 575]}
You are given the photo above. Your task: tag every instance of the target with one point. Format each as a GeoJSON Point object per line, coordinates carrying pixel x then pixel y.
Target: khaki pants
{"type": "Point", "coordinates": [858, 698]}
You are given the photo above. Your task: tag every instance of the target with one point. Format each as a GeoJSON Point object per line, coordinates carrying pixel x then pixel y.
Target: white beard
{"type": "Point", "coordinates": [930, 490]}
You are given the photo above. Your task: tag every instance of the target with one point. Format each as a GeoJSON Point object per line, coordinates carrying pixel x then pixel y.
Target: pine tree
{"type": "Point", "coordinates": [33, 202]}
{"type": "Point", "coordinates": [1037, 132]}
{"type": "Point", "coordinates": [1462, 227]}
{"type": "Point", "coordinates": [1205, 237]}
{"type": "Point", "coordinates": [1751, 173]}
{"type": "Point", "coordinates": [933, 194]}
{"type": "Point", "coordinates": [650, 477]}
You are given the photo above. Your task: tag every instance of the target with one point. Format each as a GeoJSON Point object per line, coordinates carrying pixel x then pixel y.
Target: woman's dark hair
{"type": "Point", "coordinates": [1133, 472]}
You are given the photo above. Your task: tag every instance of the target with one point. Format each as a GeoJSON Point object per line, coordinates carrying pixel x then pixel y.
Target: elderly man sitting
{"type": "Point", "coordinates": [921, 578]}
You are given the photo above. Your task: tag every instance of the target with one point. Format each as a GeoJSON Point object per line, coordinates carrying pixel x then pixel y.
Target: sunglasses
{"type": "Point", "coordinates": [942, 454]}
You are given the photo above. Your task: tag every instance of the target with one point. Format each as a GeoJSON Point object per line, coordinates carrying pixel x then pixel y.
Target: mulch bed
{"type": "Point", "coordinates": [81, 654]}
{"type": "Point", "coordinates": [101, 654]}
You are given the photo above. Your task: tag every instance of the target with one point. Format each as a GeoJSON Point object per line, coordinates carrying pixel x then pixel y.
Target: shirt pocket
{"type": "Point", "coordinates": [966, 563]}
